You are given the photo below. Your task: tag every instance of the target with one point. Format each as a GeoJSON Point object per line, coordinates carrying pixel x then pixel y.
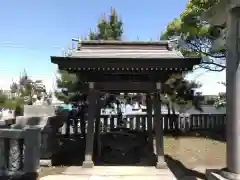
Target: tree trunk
{"type": "Point", "coordinates": [173, 108]}
{"type": "Point", "coordinates": [174, 117]}
{"type": "Point", "coordinates": [168, 108]}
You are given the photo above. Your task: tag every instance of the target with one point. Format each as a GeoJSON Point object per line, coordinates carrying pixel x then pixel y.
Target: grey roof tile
{"type": "Point", "coordinates": [144, 54]}
{"type": "Point", "coordinates": [125, 49]}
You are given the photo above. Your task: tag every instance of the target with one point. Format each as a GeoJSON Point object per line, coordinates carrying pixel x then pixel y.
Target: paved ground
{"type": "Point", "coordinates": [67, 177]}
{"type": "Point", "coordinates": [127, 173]}
{"type": "Point", "coordinates": [114, 173]}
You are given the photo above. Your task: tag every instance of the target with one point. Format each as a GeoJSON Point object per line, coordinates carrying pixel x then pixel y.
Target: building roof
{"type": "Point", "coordinates": [125, 49]}
{"type": "Point", "coordinates": [125, 58]}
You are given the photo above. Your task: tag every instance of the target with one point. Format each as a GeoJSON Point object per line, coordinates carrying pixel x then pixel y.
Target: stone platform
{"type": "Point", "coordinates": [117, 171]}
{"type": "Point", "coordinates": [113, 173]}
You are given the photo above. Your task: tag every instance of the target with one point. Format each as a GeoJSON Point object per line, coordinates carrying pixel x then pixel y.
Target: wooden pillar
{"type": "Point", "coordinates": [97, 127]}
{"type": "Point", "coordinates": [88, 162]}
{"type": "Point", "coordinates": [159, 129]}
{"type": "Point", "coordinates": [149, 122]}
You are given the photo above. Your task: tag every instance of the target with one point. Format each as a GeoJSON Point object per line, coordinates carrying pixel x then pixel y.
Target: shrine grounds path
{"type": "Point", "coordinates": [185, 156]}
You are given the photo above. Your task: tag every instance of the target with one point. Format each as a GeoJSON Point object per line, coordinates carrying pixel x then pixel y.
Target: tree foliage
{"type": "Point", "coordinates": [196, 36]}
{"type": "Point", "coordinates": [178, 91]}
{"type": "Point", "coordinates": [3, 98]}
{"type": "Point", "coordinates": [67, 83]}
{"type": "Point", "coordinates": [108, 28]}
{"type": "Point", "coordinates": [21, 92]}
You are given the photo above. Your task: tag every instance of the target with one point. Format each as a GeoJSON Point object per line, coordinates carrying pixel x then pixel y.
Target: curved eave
{"type": "Point", "coordinates": [100, 63]}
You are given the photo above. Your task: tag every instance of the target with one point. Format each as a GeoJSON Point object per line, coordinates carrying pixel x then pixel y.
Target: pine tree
{"type": "Point", "coordinates": [108, 28]}
{"type": "Point", "coordinates": [196, 35]}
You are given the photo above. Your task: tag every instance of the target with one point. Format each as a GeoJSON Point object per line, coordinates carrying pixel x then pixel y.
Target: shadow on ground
{"type": "Point", "coordinates": [180, 171]}
{"type": "Point", "coordinates": [149, 159]}
{"type": "Point", "coordinates": [72, 150]}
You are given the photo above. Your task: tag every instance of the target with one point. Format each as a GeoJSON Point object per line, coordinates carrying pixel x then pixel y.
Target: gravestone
{"type": "Point", "coordinates": [39, 111]}
{"type": "Point", "coordinates": [44, 117]}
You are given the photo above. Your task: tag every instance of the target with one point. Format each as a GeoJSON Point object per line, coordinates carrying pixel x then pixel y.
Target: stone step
{"type": "Point", "coordinates": [85, 177]}
{"type": "Point", "coordinates": [118, 171]}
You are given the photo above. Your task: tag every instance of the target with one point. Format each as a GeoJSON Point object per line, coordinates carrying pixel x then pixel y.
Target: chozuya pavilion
{"type": "Point", "coordinates": [121, 66]}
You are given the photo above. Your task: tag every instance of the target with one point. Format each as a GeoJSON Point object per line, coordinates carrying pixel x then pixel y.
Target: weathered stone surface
{"type": "Point", "coordinates": [47, 134]}
{"type": "Point", "coordinates": [88, 164]}
{"type": "Point", "coordinates": [217, 174]}
{"type": "Point", "coordinates": [38, 110]}
{"type": "Point", "coordinates": [15, 157]}
{"type": "Point", "coordinates": [214, 175]}
{"type": "Point", "coordinates": [45, 162]}
{"type": "Point", "coordinates": [23, 122]}
{"type": "Point", "coordinates": [119, 171]}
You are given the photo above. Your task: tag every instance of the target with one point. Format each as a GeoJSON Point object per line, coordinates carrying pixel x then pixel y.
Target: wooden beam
{"type": "Point", "coordinates": [70, 62]}
{"type": "Point", "coordinates": [126, 86]}
{"type": "Point", "coordinates": [113, 77]}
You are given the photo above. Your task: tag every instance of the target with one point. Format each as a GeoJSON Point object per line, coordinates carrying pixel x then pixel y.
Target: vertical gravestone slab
{"type": "Point", "coordinates": [46, 115]}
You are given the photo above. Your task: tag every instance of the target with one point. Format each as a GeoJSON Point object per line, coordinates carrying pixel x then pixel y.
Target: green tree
{"type": "Point", "coordinates": [196, 36]}
{"type": "Point", "coordinates": [179, 92]}
{"type": "Point", "coordinates": [23, 87]}
{"type": "Point", "coordinates": [19, 91]}
{"type": "Point", "coordinates": [23, 90]}
{"type": "Point", "coordinates": [67, 83]}
{"type": "Point", "coordinates": [108, 28]}
{"type": "Point", "coordinates": [3, 98]}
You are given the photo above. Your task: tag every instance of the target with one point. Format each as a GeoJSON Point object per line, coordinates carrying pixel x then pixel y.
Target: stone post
{"type": "Point", "coordinates": [32, 150]}
{"type": "Point", "coordinates": [232, 11]}
{"type": "Point", "coordinates": [233, 94]}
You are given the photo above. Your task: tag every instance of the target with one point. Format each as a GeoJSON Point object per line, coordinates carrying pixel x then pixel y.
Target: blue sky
{"type": "Point", "coordinates": [32, 31]}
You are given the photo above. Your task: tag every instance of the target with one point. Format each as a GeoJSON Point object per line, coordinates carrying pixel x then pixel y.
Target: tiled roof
{"type": "Point", "coordinates": [123, 49]}
{"type": "Point", "coordinates": [144, 54]}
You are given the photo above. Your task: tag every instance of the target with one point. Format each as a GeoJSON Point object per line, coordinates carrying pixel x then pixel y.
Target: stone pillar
{"type": "Point", "coordinates": [149, 122]}
{"type": "Point", "coordinates": [159, 129]}
{"type": "Point", "coordinates": [233, 89]}
{"type": "Point", "coordinates": [88, 162]}
{"type": "Point", "coordinates": [232, 171]}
